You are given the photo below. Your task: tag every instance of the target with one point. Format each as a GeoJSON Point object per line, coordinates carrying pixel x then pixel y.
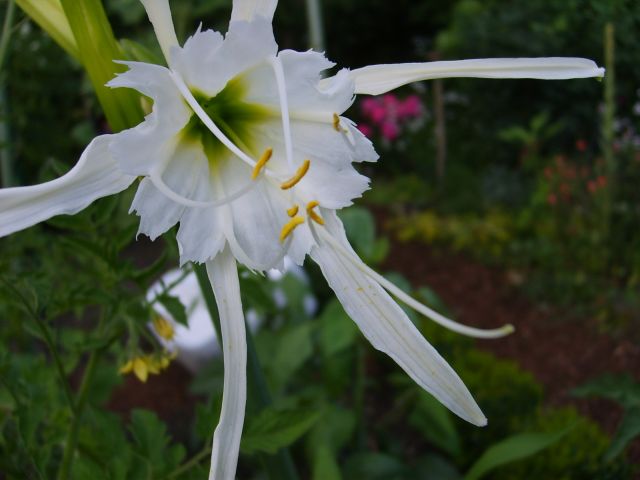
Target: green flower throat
{"type": "Point", "coordinates": [235, 117]}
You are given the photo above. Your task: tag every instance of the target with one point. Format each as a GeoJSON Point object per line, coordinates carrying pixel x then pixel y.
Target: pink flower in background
{"type": "Point", "coordinates": [366, 130]}
{"type": "Point", "coordinates": [387, 115]}
{"type": "Point", "coordinates": [411, 107]}
{"type": "Point", "coordinates": [390, 130]}
{"type": "Point", "coordinates": [373, 109]}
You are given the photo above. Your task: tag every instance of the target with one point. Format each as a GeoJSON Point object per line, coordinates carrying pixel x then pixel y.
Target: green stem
{"type": "Point", "coordinates": [6, 157]}
{"type": "Point", "coordinates": [209, 298]}
{"type": "Point", "coordinates": [279, 466]}
{"type": "Point", "coordinates": [48, 340]}
{"type": "Point", "coordinates": [6, 32]}
{"type": "Point", "coordinates": [81, 400]}
{"type": "Point", "coordinates": [608, 123]}
{"type": "Point", "coordinates": [358, 396]}
{"type": "Point", "coordinates": [192, 462]}
{"type": "Point", "coordinates": [315, 24]}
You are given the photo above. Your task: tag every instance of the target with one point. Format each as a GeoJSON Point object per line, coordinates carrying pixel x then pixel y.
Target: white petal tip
{"type": "Point", "coordinates": [508, 329]}
{"type": "Point", "coordinates": [480, 421]}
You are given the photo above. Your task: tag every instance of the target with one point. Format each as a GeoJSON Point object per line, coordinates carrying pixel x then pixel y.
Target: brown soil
{"type": "Point", "coordinates": [562, 353]}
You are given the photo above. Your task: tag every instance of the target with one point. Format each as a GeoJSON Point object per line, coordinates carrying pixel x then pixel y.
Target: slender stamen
{"type": "Point", "coordinates": [158, 182]}
{"type": "Point", "coordinates": [293, 211]}
{"type": "Point", "coordinates": [261, 163]}
{"type": "Point", "coordinates": [276, 64]}
{"type": "Point", "coordinates": [290, 226]}
{"type": "Point", "coordinates": [312, 214]}
{"type": "Point", "coordinates": [206, 120]}
{"type": "Point", "coordinates": [237, 249]}
{"type": "Point", "coordinates": [411, 302]}
{"type": "Point", "coordinates": [300, 173]}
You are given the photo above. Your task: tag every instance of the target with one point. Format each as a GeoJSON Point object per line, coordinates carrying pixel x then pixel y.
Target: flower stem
{"type": "Point", "coordinates": [81, 400]}
{"type": "Point", "coordinates": [209, 298]}
{"type": "Point", "coordinates": [315, 24]}
{"type": "Point", "coordinates": [279, 466]}
{"type": "Point", "coordinates": [6, 157]}
{"type": "Point", "coordinates": [48, 340]}
{"type": "Point", "coordinates": [358, 396]}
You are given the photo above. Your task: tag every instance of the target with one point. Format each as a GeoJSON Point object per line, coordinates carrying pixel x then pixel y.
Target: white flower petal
{"type": "Point", "coordinates": [155, 82]}
{"type": "Point", "coordinates": [223, 275]}
{"type": "Point", "coordinates": [253, 221]}
{"type": "Point", "coordinates": [142, 148]}
{"type": "Point", "coordinates": [159, 15]}
{"type": "Point", "coordinates": [331, 178]}
{"type": "Point", "coordinates": [247, 10]}
{"type": "Point", "coordinates": [96, 175]}
{"type": "Point", "coordinates": [308, 98]}
{"type": "Point", "coordinates": [245, 45]}
{"type": "Point", "coordinates": [194, 58]}
{"type": "Point", "coordinates": [186, 174]}
{"type": "Point", "coordinates": [378, 79]}
{"type": "Point", "coordinates": [389, 329]}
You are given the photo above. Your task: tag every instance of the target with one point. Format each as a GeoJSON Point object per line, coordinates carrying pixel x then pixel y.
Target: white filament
{"type": "Point", "coordinates": [278, 71]}
{"type": "Point", "coordinates": [158, 182]}
{"type": "Point", "coordinates": [411, 302]}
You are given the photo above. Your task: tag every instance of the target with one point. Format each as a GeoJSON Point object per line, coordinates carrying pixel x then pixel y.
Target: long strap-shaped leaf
{"type": "Point", "coordinates": [97, 49]}
{"type": "Point", "coordinates": [51, 18]}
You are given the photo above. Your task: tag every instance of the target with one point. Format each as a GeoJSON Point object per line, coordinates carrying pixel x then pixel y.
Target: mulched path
{"type": "Point", "coordinates": [561, 352]}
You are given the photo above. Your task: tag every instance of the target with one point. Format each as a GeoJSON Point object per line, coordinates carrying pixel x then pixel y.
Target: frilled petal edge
{"type": "Point", "coordinates": [389, 329]}
{"type": "Point", "coordinates": [95, 175]}
{"type": "Point", "coordinates": [223, 275]}
{"type": "Point", "coordinates": [378, 79]}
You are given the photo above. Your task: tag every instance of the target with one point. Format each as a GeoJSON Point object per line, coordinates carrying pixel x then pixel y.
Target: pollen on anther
{"type": "Point", "coordinates": [262, 161]}
{"type": "Point", "coordinates": [290, 226]}
{"type": "Point", "coordinates": [293, 211]}
{"type": "Point", "coordinates": [300, 173]}
{"type": "Point", "coordinates": [336, 123]}
{"type": "Point", "coordinates": [312, 214]}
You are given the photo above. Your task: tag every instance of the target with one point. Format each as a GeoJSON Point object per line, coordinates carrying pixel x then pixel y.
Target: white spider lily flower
{"type": "Point", "coordinates": [247, 150]}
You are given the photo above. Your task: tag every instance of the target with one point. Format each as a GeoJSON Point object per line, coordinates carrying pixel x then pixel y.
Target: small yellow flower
{"type": "Point", "coordinates": [126, 368]}
{"type": "Point", "coordinates": [141, 369]}
{"type": "Point", "coordinates": [139, 366]}
{"type": "Point", "coordinates": [163, 327]}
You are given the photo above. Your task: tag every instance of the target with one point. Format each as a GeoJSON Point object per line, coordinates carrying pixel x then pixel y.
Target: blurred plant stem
{"type": "Point", "coordinates": [358, 396]}
{"type": "Point", "coordinates": [316, 26]}
{"type": "Point", "coordinates": [6, 156]}
{"type": "Point", "coordinates": [47, 338]}
{"type": "Point", "coordinates": [608, 120]}
{"type": "Point", "coordinates": [81, 400]}
{"type": "Point", "coordinates": [440, 127]}
{"type": "Point", "coordinates": [279, 466]}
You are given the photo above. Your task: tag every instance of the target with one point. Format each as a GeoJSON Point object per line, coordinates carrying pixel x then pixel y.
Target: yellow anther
{"type": "Point", "coordinates": [302, 171]}
{"type": "Point", "coordinates": [312, 214]}
{"type": "Point", "coordinates": [336, 123]}
{"type": "Point", "coordinates": [290, 227]}
{"type": "Point", "coordinates": [262, 161]}
{"type": "Point", "coordinates": [293, 211]}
